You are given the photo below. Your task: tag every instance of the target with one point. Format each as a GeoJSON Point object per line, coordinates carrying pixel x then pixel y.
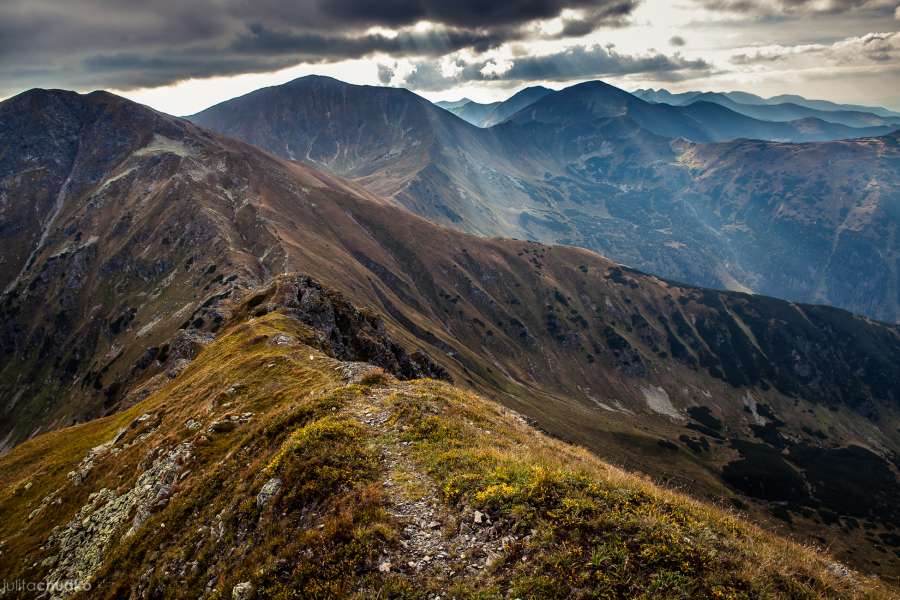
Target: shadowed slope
{"type": "Point", "coordinates": [488, 115]}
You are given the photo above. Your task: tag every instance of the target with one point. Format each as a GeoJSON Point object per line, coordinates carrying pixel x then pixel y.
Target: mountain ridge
{"type": "Point", "coordinates": [789, 111]}
{"type": "Point", "coordinates": [698, 121]}
{"type": "Point", "coordinates": [580, 177]}
{"type": "Point", "coordinates": [488, 115]}
{"type": "Point", "coordinates": [748, 99]}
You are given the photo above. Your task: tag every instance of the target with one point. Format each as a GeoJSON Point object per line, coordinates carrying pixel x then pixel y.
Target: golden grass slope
{"type": "Point", "coordinates": [362, 461]}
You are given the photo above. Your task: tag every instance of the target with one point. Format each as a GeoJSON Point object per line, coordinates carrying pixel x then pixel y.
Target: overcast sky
{"type": "Point", "coordinates": [180, 57]}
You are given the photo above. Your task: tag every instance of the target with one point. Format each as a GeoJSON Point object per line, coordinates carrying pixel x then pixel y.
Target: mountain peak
{"type": "Point", "coordinates": [43, 93]}
{"type": "Point", "coordinates": [589, 100]}
{"type": "Point", "coordinates": [590, 92]}
{"type": "Point", "coordinates": [459, 102]}
{"type": "Point", "coordinates": [594, 85]}
{"type": "Point", "coordinates": [320, 79]}
{"type": "Point", "coordinates": [100, 109]}
{"type": "Point", "coordinates": [531, 90]}
{"type": "Point", "coordinates": [45, 97]}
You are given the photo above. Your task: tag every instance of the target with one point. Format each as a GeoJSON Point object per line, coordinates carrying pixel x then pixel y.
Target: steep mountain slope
{"type": "Point", "coordinates": [392, 129]}
{"type": "Point", "coordinates": [701, 388]}
{"type": "Point", "coordinates": [104, 183]}
{"type": "Point", "coordinates": [561, 172]}
{"type": "Point", "coordinates": [843, 220]}
{"type": "Point", "coordinates": [151, 217]}
{"type": "Point", "coordinates": [488, 115]}
{"type": "Point", "coordinates": [271, 467]}
{"type": "Point", "coordinates": [811, 222]}
{"type": "Point", "coordinates": [390, 140]}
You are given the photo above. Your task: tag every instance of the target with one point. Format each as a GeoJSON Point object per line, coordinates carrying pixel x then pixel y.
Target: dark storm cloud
{"type": "Point", "coordinates": [572, 64]}
{"type": "Point", "coordinates": [260, 40]}
{"type": "Point", "coordinates": [132, 43]}
{"type": "Point", "coordinates": [467, 13]}
{"type": "Point", "coordinates": [582, 62]}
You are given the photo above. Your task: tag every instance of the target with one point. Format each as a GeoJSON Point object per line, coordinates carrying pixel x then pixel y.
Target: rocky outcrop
{"type": "Point", "coordinates": [242, 591]}
{"type": "Point", "coordinates": [343, 331]}
{"type": "Point", "coordinates": [78, 548]}
{"type": "Point", "coordinates": [269, 489]}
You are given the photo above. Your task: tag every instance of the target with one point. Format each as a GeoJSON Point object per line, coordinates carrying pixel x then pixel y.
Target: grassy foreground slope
{"type": "Point", "coordinates": [269, 468]}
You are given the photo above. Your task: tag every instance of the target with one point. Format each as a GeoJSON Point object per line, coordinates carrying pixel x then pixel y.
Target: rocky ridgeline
{"type": "Point", "coordinates": [342, 330]}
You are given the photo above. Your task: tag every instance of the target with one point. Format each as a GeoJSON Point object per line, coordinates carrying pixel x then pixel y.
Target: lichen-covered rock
{"type": "Point", "coordinates": [355, 372]}
{"type": "Point", "coordinates": [283, 339]}
{"type": "Point", "coordinates": [79, 547]}
{"type": "Point", "coordinates": [87, 463]}
{"type": "Point", "coordinates": [229, 422]}
{"type": "Point", "coordinates": [242, 591]}
{"type": "Point", "coordinates": [268, 490]}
